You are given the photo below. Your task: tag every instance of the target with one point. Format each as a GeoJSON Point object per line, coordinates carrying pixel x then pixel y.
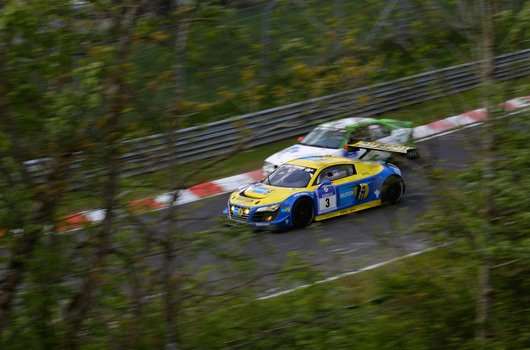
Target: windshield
{"type": "Point", "coordinates": [325, 137]}
{"type": "Point", "coordinates": [289, 175]}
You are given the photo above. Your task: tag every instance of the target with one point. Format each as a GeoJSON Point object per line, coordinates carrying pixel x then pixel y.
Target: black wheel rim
{"type": "Point", "coordinates": [394, 192]}
{"type": "Point", "coordinates": [303, 215]}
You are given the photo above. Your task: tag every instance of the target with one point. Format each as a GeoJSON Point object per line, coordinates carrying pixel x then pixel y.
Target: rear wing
{"type": "Point", "coordinates": [410, 152]}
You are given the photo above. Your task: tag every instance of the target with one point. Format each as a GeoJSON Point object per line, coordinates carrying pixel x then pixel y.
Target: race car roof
{"type": "Point", "coordinates": [346, 123]}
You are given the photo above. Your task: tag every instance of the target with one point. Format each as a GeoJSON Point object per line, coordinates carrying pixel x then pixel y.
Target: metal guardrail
{"type": "Point", "coordinates": [157, 152]}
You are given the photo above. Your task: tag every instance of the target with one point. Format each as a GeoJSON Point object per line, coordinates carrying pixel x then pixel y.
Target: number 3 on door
{"type": "Point", "coordinates": [327, 200]}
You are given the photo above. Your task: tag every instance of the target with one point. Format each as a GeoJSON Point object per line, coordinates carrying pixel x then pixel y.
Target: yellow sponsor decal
{"type": "Point", "coordinates": [361, 191]}
{"type": "Point", "coordinates": [381, 146]}
{"type": "Point", "coordinates": [244, 199]}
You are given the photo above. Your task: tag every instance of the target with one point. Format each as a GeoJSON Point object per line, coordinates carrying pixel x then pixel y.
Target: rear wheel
{"type": "Point", "coordinates": [393, 189]}
{"type": "Point", "coordinates": [303, 212]}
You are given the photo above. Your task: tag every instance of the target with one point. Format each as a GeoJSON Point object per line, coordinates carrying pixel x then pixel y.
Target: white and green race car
{"type": "Point", "coordinates": [332, 138]}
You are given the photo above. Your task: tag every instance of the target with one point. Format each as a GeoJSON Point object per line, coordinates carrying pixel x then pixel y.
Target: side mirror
{"type": "Point", "coordinates": [324, 183]}
{"type": "Point", "coordinates": [300, 139]}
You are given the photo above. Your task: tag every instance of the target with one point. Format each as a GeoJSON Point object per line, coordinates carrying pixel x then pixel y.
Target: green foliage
{"type": "Point", "coordinates": [486, 218]}
{"type": "Point", "coordinates": [77, 82]}
{"type": "Point", "coordinates": [433, 303]}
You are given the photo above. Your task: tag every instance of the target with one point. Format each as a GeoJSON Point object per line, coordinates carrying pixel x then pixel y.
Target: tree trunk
{"type": "Point", "coordinates": [484, 283]}
{"type": "Point", "coordinates": [117, 101]}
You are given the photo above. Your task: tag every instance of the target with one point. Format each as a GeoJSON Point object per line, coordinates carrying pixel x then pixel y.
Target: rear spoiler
{"type": "Point", "coordinates": [410, 152]}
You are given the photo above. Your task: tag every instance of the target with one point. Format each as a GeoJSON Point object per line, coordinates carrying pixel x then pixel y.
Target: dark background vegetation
{"type": "Point", "coordinates": [78, 79]}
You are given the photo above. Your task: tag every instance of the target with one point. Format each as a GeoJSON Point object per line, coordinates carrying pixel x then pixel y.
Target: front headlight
{"type": "Point", "coordinates": [269, 208]}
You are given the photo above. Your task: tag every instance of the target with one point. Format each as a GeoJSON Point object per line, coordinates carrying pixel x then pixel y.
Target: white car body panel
{"type": "Point", "coordinates": [299, 151]}
{"type": "Point", "coordinates": [398, 137]}
{"type": "Point", "coordinates": [344, 123]}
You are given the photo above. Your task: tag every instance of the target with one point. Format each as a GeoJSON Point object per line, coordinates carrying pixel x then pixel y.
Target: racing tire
{"type": "Point", "coordinates": [393, 190]}
{"type": "Point", "coordinates": [303, 212]}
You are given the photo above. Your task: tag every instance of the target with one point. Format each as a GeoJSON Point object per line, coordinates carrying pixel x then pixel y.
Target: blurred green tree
{"type": "Point", "coordinates": [70, 77]}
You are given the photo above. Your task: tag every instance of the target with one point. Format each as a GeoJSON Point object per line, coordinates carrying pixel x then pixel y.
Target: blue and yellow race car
{"type": "Point", "coordinates": [319, 187]}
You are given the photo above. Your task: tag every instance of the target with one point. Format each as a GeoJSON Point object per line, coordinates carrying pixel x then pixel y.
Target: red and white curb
{"type": "Point", "coordinates": [208, 189]}
{"type": "Point", "coordinates": [146, 204]}
{"type": "Point", "coordinates": [200, 191]}
{"type": "Point", "coordinates": [465, 119]}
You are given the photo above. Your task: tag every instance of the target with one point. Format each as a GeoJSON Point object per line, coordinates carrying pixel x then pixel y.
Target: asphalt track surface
{"type": "Point", "coordinates": [350, 242]}
{"type": "Point", "coordinates": [333, 247]}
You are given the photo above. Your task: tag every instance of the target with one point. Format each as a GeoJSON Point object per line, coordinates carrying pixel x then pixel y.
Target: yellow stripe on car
{"type": "Point", "coordinates": [355, 208]}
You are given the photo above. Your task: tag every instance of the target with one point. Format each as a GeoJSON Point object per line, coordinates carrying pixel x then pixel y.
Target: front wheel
{"type": "Point", "coordinates": [303, 212]}
{"type": "Point", "coordinates": [393, 189]}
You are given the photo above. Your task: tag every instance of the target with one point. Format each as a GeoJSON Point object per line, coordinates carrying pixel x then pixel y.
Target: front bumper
{"type": "Point", "coordinates": [260, 219]}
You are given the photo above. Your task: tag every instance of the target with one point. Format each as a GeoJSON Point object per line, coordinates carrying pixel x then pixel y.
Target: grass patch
{"type": "Point", "coordinates": [391, 307]}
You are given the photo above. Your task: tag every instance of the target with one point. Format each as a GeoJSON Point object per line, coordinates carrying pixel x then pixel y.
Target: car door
{"type": "Point", "coordinates": [339, 194]}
